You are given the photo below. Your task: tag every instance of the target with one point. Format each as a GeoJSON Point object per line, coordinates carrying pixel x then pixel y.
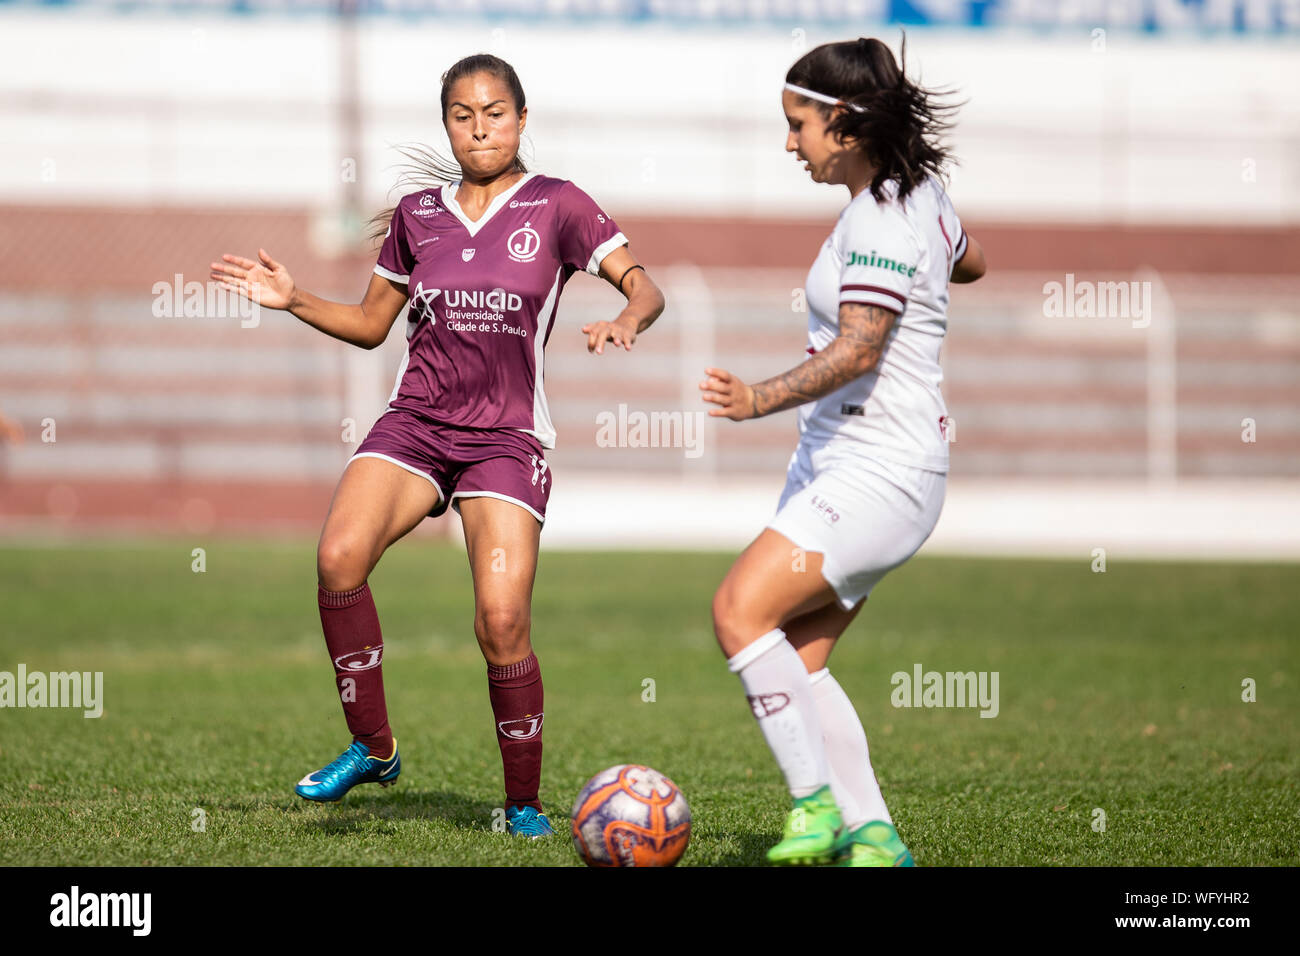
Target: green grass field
{"type": "Point", "coordinates": [1120, 691]}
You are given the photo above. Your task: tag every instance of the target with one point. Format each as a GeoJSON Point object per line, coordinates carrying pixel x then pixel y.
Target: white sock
{"type": "Point", "coordinates": [852, 780]}
{"type": "Point", "coordinates": [776, 683]}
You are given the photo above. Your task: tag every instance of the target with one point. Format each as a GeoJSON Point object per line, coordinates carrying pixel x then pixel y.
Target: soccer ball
{"type": "Point", "coordinates": [630, 815]}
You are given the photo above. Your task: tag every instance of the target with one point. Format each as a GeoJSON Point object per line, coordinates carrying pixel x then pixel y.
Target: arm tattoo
{"type": "Point", "coordinates": [864, 331]}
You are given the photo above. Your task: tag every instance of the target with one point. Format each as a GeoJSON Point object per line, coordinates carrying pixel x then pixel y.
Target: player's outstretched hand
{"type": "Point", "coordinates": [620, 332]}
{"type": "Point", "coordinates": [267, 283]}
{"type": "Point", "coordinates": [724, 389]}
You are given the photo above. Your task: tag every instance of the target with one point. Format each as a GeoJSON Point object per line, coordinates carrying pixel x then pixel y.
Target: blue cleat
{"type": "Point", "coordinates": [527, 822]}
{"type": "Point", "coordinates": [353, 766]}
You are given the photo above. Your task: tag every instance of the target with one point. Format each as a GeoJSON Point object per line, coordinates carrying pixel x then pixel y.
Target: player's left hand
{"type": "Point", "coordinates": [622, 331]}
{"type": "Point", "coordinates": [735, 397]}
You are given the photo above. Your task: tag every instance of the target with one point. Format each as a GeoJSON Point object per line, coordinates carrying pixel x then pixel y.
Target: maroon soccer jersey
{"type": "Point", "coordinates": [484, 296]}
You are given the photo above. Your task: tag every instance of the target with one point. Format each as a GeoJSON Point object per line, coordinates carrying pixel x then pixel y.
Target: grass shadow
{"type": "Point", "coordinates": [357, 810]}
{"type": "Point", "coordinates": [752, 849]}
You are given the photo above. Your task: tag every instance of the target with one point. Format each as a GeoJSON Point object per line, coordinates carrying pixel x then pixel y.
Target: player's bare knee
{"type": "Point", "coordinates": [340, 564]}
{"type": "Point", "coordinates": [730, 623]}
{"type": "Point", "coordinates": [502, 629]}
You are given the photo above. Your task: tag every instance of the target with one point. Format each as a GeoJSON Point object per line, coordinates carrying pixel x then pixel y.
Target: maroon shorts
{"type": "Point", "coordinates": [503, 463]}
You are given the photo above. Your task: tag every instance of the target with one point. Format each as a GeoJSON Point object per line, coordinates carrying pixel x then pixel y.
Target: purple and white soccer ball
{"type": "Point", "coordinates": [631, 815]}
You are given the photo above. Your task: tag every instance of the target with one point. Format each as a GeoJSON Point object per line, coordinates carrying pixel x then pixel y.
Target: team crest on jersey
{"type": "Point", "coordinates": [524, 243]}
{"type": "Point", "coordinates": [523, 729]}
{"type": "Point", "coordinates": [466, 255]}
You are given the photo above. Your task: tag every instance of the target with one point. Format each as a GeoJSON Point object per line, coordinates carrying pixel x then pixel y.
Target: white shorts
{"type": "Point", "coordinates": [864, 516]}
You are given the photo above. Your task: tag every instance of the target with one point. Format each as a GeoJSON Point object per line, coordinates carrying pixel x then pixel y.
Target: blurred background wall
{"type": "Point", "coordinates": [1147, 151]}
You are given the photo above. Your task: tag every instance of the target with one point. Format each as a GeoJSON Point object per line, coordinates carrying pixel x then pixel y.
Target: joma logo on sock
{"type": "Point", "coordinates": [102, 909]}
{"type": "Point", "coordinates": [522, 729]}
{"type": "Point", "coordinates": [950, 689]}
{"type": "Point", "coordinates": [360, 660]}
{"type": "Point", "coordinates": [765, 705]}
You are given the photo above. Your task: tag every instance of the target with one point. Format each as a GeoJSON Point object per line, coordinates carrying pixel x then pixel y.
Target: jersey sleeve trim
{"type": "Point", "coordinates": [380, 270]}
{"type": "Point", "coordinates": [891, 309]}
{"type": "Point", "coordinates": [960, 249]}
{"type": "Point", "coordinates": [604, 249]}
{"type": "Point", "coordinates": [886, 299]}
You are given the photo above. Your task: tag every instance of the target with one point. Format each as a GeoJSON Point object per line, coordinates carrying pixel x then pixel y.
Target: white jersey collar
{"type": "Point", "coordinates": [449, 200]}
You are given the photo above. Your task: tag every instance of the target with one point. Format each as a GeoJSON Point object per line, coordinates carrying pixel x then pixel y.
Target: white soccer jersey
{"type": "Point", "coordinates": [898, 256]}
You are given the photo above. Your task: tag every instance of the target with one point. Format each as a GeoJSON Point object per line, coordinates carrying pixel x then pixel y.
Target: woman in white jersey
{"type": "Point", "coordinates": [865, 485]}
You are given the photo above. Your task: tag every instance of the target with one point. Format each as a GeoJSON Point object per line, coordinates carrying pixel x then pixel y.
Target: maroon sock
{"type": "Point", "coordinates": [356, 647]}
{"type": "Point", "coordinates": [516, 694]}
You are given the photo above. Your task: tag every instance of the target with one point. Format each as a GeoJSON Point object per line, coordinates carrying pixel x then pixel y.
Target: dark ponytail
{"type": "Point", "coordinates": [427, 167]}
{"type": "Point", "coordinates": [901, 128]}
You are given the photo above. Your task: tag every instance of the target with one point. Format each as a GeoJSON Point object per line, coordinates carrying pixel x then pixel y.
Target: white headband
{"type": "Point", "coordinates": [823, 98]}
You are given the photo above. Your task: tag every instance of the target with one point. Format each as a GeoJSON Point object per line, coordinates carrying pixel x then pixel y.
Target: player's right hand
{"type": "Point", "coordinates": [267, 283]}
{"type": "Point", "coordinates": [724, 389]}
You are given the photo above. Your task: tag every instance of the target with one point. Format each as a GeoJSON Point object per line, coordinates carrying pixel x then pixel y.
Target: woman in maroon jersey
{"type": "Point", "coordinates": [481, 257]}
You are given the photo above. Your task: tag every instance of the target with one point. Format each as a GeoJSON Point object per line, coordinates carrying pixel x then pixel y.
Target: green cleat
{"type": "Point", "coordinates": [874, 844]}
{"type": "Point", "coordinates": [813, 832]}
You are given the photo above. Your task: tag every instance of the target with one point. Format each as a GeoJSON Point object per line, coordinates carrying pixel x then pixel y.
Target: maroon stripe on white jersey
{"type": "Point", "coordinates": [876, 289]}
{"type": "Point", "coordinates": [877, 305]}
{"type": "Point", "coordinates": [961, 246]}
{"type": "Point", "coordinates": [944, 229]}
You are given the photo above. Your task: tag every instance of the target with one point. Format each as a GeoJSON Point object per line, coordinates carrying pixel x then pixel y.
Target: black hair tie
{"type": "Point", "coordinates": [629, 269]}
